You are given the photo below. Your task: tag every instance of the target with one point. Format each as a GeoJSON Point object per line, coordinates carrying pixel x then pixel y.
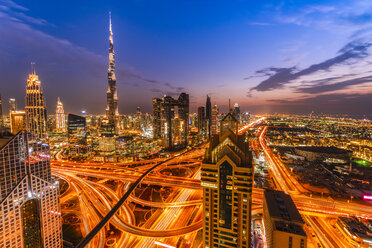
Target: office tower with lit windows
{"type": "Point", "coordinates": [171, 120]}
{"type": "Point", "coordinates": [112, 111]}
{"type": "Point", "coordinates": [227, 178]}
{"type": "Point", "coordinates": [214, 120]}
{"type": "Point", "coordinates": [282, 222]}
{"type": "Point", "coordinates": [236, 112]}
{"type": "Point", "coordinates": [29, 198]}
{"type": "Point", "coordinates": [60, 117]}
{"type": "Point", "coordinates": [208, 116]}
{"type": "Point", "coordinates": [17, 121]}
{"type": "Point", "coordinates": [35, 109]}
{"type": "Point", "coordinates": [77, 135]}
{"type": "Point", "coordinates": [156, 117]}
{"type": "Point", "coordinates": [12, 105]}
{"type": "Point", "coordinates": [1, 114]}
{"type": "Point", "coordinates": [201, 121]}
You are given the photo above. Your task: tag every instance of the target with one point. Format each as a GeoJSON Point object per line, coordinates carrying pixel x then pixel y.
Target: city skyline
{"type": "Point", "coordinates": [321, 64]}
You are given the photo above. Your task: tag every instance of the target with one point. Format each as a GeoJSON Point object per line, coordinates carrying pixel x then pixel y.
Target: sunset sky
{"type": "Point", "coordinates": [269, 56]}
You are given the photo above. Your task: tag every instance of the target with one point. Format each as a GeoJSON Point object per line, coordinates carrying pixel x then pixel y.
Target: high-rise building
{"type": "Point", "coordinates": [35, 106]}
{"type": "Point", "coordinates": [214, 120]}
{"type": "Point", "coordinates": [77, 135]}
{"type": "Point", "coordinates": [17, 121]}
{"type": "Point", "coordinates": [12, 105]}
{"type": "Point", "coordinates": [282, 221]}
{"type": "Point", "coordinates": [1, 114]}
{"type": "Point", "coordinates": [208, 116]}
{"type": "Point", "coordinates": [29, 197]}
{"type": "Point", "coordinates": [112, 111]}
{"type": "Point", "coordinates": [171, 120]}
{"type": "Point", "coordinates": [201, 121]}
{"type": "Point", "coordinates": [60, 117]}
{"type": "Point", "coordinates": [236, 112]}
{"type": "Point", "coordinates": [156, 117]}
{"type": "Point", "coordinates": [226, 178]}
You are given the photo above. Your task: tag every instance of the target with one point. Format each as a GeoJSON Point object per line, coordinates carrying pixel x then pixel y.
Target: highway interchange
{"type": "Point", "coordinates": [177, 221]}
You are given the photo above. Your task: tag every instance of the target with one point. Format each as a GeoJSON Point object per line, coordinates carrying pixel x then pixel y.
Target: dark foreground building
{"type": "Point", "coordinates": [226, 178]}
{"type": "Point", "coordinates": [30, 214]}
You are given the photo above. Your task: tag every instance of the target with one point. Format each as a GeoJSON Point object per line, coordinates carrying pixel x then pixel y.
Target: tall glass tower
{"type": "Point", "coordinates": [60, 117]}
{"type": "Point", "coordinates": [30, 214]}
{"type": "Point", "coordinates": [227, 178]}
{"type": "Point", "coordinates": [112, 111]}
{"type": "Point", "coordinates": [35, 106]}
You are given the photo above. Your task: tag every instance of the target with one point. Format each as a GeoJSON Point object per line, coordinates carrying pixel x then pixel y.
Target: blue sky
{"type": "Point", "coordinates": [269, 56]}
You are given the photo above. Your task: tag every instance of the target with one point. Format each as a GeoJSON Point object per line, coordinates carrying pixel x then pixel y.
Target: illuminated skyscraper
{"type": "Point", "coordinates": [1, 114]}
{"type": "Point", "coordinates": [12, 105]}
{"type": "Point", "coordinates": [112, 111]}
{"type": "Point", "coordinates": [35, 106]}
{"type": "Point", "coordinates": [208, 116]}
{"type": "Point", "coordinates": [226, 178]}
{"type": "Point", "coordinates": [29, 198]}
{"type": "Point", "coordinates": [214, 120]}
{"type": "Point", "coordinates": [236, 112]}
{"type": "Point", "coordinates": [60, 117]}
{"type": "Point", "coordinates": [156, 118]}
{"type": "Point", "coordinates": [171, 120]}
{"type": "Point", "coordinates": [201, 121]}
{"type": "Point", "coordinates": [77, 135]}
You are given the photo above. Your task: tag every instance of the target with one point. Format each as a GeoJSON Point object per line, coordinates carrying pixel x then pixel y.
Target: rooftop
{"type": "Point", "coordinates": [289, 228]}
{"type": "Point", "coordinates": [281, 207]}
{"type": "Point", "coordinates": [5, 137]}
{"type": "Point", "coordinates": [323, 149]}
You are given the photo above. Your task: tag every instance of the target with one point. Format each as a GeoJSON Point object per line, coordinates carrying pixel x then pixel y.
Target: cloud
{"type": "Point", "coordinates": [260, 24]}
{"type": "Point", "coordinates": [278, 77]}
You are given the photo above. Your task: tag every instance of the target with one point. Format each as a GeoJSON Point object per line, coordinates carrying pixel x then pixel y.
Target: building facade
{"type": "Point", "coordinates": [17, 121]}
{"type": "Point", "coordinates": [282, 221]}
{"type": "Point", "coordinates": [171, 120]}
{"type": "Point", "coordinates": [35, 109]}
{"type": "Point", "coordinates": [112, 110]}
{"type": "Point", "coordinates": [60, 117]}
{"type": "Point", "coordinates": [201, 121]}
{"type": "Point", "coordinates": [226, 178]}
{"type": "Point", "coordinates": [29, 198]}
{"type": "Point", "coordinates": [214, 120]}
{"type": "Point", "coordinates": [208, 116]}
{"type": "Point", "coordinates": [12, 105]}
{"type": "Point", "coordinates": [77, 135]}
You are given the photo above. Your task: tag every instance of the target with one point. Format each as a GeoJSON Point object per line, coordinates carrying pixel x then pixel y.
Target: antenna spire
{"type": "Point", "coordinates": [110, 21]}
{"type": "Point", "coordinates": [33, 71]}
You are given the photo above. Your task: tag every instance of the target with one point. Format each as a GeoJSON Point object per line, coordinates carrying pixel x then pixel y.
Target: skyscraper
{"type": "Point", "coordinates": [60, 117]}
{"type": "Point", "coordinates": [214, 120]}
{"type": "Point", "coordinates": [201, 121]}
{"type": "Point", "coordinates": [1, 114]}
{"type": "Point", "coordinates": [77, 135]}
{"type": "Point", "coordinates": [112, 111]}
{"type": "Point", "coordinates": [12, 105]}
{"type": "Point", "coordinates": [226, 178]}
{"type": "Point", "coordinates": [35, 106]}
{"type": "Point", "coordinates": [156, 118]}
{"type": "Point", "coordinates": [29, 198]}
{"type": "Point", "coordinates": [236, 112]}
{"type": "Point", "coordinates": [208, 116]}
{"type": "Point", "coordinates": [171, 125]}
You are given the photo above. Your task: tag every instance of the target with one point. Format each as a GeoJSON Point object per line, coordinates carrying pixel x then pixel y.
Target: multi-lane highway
{"type": "Point", "coordinates": [178, 219]}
